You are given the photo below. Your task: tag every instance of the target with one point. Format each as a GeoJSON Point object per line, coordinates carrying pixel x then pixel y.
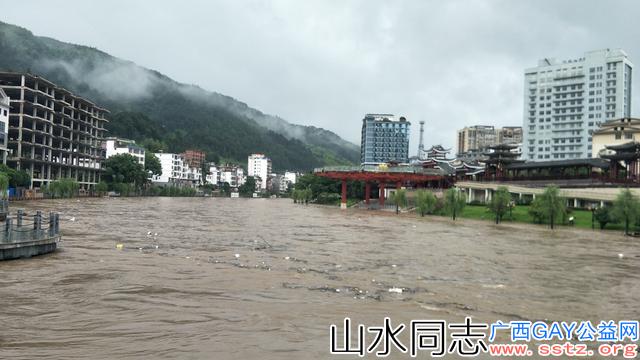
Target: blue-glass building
{"type": "Point", "coordinates": [384, 139]}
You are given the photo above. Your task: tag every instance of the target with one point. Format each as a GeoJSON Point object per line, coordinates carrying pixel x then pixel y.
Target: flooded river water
{"type": "Point", "coordinates": [264, 279]}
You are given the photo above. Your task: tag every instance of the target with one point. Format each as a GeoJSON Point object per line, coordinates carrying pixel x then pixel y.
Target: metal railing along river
{"type": "Point", "coordinates": [24, 228]}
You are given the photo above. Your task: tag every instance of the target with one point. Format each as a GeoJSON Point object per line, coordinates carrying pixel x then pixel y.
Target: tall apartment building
{"type": "Point", "coordinates": [259, 165]}
{"type": "Point", "coordinates": [479, 137]}
{"type": "Point", "coordinates": [53, 133]}
{"type": "Point", "coordinates": [4, 124]}
{"type": "Point", "coordinates": [565, 101]}
{"type": "Point", "coordinates": [384, 139]}
{"type": "Point", "coordinates": [476, 137]}
{"type": "Point", "coordinates": [114, 146]}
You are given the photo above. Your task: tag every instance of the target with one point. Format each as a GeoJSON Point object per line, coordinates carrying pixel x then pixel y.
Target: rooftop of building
{"type": "Point", "coordinates": [51, 84]}
{"type": "Point", "coordinates": [613, 125]}
{"type": "Point", "coordinates": [600, 53]}
{"type": "Point", "coordinates": [384, 118]}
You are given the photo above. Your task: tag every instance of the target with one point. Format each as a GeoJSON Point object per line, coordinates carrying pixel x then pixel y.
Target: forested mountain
{"type": "Point", "coordinates": [151, 108]}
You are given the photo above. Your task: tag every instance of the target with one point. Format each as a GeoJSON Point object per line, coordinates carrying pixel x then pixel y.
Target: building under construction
{"type": "Point", "coordinates": [53, 133]}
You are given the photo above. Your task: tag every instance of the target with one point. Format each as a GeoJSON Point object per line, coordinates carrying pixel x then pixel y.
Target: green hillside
{"type": "Point", "coordinates": [149, 107]}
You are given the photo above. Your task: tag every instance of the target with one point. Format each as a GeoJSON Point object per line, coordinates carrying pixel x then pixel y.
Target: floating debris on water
{"type": "Point", "coordinates": [395, 290]}
{"type": "Point", "coordinates": [119, 246]}
{"type": "Point", "coordinates": [236, 255]}
{"type": "Point", "coordinates": [621, 255]}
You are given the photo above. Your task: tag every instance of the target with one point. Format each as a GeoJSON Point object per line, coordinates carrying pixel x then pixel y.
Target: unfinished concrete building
{"type": "Point", "coordinates": [53, 133]}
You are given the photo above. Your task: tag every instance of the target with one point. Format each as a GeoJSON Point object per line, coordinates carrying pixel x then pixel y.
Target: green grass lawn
{"type": "Point", "coordinates": [521, 214]}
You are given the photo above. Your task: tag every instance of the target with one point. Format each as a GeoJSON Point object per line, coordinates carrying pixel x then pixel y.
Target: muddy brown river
{"type": "Point", "coordinates": [264, 279]}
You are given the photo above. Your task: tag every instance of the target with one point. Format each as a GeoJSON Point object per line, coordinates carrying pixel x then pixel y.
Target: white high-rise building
{"type": "Point", "coordinates": [259, 165]}
{"type": "Point", "coordinates": [565, 101]}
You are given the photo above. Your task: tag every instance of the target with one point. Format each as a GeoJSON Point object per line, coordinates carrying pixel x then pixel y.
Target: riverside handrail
{"type": "Point", "coordinates": [38, 228]}
{"type": "Point", "coordinates": [375, 168]}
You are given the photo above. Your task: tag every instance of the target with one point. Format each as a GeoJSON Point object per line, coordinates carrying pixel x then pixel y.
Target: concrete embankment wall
{"type": "Point", "coordinates": [28, 249]}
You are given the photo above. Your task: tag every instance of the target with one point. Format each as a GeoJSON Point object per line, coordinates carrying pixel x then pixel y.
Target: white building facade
{"type": "Point", "coordinates": [565, 101]}
{"type": "Point", "coordinates": [114, 146]}
{"type": "Point", "coordinates": [176, 171]}
{"type": "Point", "coordinates": [4, 124]}
{"type": "Point", "coordinates": [259, 166]}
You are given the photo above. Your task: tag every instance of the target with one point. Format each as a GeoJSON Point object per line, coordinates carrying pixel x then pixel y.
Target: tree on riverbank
{"type": "Point", "coordinates": [454, 202]}
{"type": "Point", "coordinates": [124, 172]}
{"type": "Point", "coordinates": [425, 202]}
{"type": "Point", "coordinates": [399, 198]}
{"type": "Point", "coordinates": [4, 185]}
{"type": "Point", "coordinates": [499, 203]}
{"type": "Point", "coordinates": [549, 206]}
{"type": "Point", "coordinates": [63, 188]}
{"type": "Point", "coordinates": [626, 207]}
{"type": "Point", "coordinates": [17, 178]}
{"type": "Point", "coordinates": [152, 163]}
{"type": "Point", "coordinates": [248, 188]}
{"type": "Point", "coordinates": [302, 196]}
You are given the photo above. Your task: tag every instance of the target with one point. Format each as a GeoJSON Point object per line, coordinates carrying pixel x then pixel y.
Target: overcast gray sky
{"type": "Point", "coordinates": [327, 63]}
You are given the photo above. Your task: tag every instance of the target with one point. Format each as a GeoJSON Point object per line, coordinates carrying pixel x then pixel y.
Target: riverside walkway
{"type": "Point", "coordinates": [578, 197]}
{"type": "Point", "coordinates": [24, 236]}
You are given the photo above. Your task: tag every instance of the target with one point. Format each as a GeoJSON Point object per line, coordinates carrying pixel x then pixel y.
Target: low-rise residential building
{"type": "Point", "coordinates": [114, 146]}
{"type": "Point", "coordinates": [213, 175]}
{"type": "Point", "coordinates": [231, 174]}
{"type": "Point", "coordinates": [615, 132]}
{"type": "Point", "coordinates": [259, 166]}
{"type": "Point", "coordinates": [172, 169]}
{"type": "Point", "coordinates": [176, 172]}
{"type": "Point", "coordinates": [290, 176]}
{"type": "Point", "coordinates": [195, 158]}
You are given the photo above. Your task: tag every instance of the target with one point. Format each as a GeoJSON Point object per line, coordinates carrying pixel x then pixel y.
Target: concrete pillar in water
{"type": "Point", "coordinates": [367, 192]}
{"type": "Point", "coordinates": [343, 202]}
{"type": "Point", "coordinates": [8, 228]}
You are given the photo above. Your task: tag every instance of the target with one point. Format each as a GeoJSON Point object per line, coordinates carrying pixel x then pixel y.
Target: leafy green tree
{"type": "Point", "coordinates": [63, 188]}
{"type": "Point", "coordinates": [17, 178]}
{"type": "Point", "coordinates": [550, 205]}
{"type": "Point", "coordinates": [603, 216]}
{"type": "Point", "coordinates": [102, 187]}
{"type": "Point", "coordinates": [626, 208]}
{"type": "Point", "coordinates": [4, 185]}
{"type": "Point", "coordinates": [454, 202]}
{"type": "Point", "coordinates": [399, 199]}
{"type": "Point", "coordinates": [152, 163]}
{"type": "Point", "coordinates": [226, 189]}
{"type": "Point", "coordinates": [425, 202]}
{"type": "Point", "coordinates": [125, 169]}
{"type": "Point", "coordinates": [248, 188]}
{"type": "Point", "coordinates": [499, 203]}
